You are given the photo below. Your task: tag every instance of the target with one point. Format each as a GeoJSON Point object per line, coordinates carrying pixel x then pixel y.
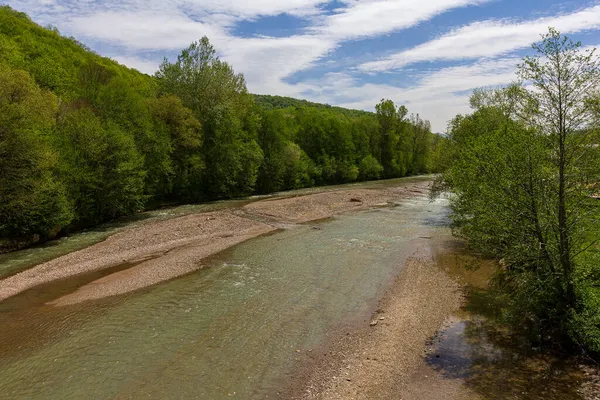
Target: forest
{"type": "Point", "coordinates": [85, 140]}
{"type": "Point", "coordinates": [524, 173]}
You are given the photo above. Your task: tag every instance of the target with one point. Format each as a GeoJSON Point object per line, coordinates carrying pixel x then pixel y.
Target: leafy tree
{"type": "Point", "coordinates": [85, 139]}
{"type": "Point", "coordinates": [438, 154]}
{"type": "Point", "coordinates": [117, 100]}
{"type": "Point", "coordinates": [564, 79]}
{"type": "Point", "coordinates": [100, 166]}
{"type": "Point", "coordinates": [33, 200]}
{"type": "Point", "coordinates": [272, 138]}
{"type": "Point", "coordinates": [268, 103]}
{"type": "Point", "coordinates": [220, 101]}
{"type": "Point", "coordinates": [300, 170]}
{"type": "Point", "coordinates": [420, 145]}
{"type": "Point", "coordinates": [394, 152]}
{"type": "Point", "coordinates": [369, 168]}
{"type": "Point", "coordinates": [186, 167]}
{"type": "Point", "coordinates": [522, 170]}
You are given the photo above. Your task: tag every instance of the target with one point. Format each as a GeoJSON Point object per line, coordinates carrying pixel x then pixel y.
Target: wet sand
{"type": "Point", "coordinates": [166, 249]}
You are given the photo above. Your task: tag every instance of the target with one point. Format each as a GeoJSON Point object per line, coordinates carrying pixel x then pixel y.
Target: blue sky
{"type": "Point", "coordinates": [426, 54]}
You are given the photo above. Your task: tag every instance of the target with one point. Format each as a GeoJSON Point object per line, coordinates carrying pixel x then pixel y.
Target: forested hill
{"type": "Point", "coordinates": [268, 102]}
{"type": "Point", "coordinates": [56, 62]}
{"type": "Point", "coordinates": [84, 139]}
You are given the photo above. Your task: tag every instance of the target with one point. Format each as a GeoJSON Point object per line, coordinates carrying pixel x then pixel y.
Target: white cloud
{"type": "Point", "coordinates": [437, 96]}
{"type": "Point", "coordinates": [266, 61]}
{"type": "Point", "coordinates": [142, 65]}
{"type": "Point", "coordinates": [240, 9]}
{"type": "Point", "coordinates": [129, 28]}
{"type": "Point", "coordinates": [171, 25]}
{"type": "Point", "coordinates": [143, 30]}
{"type": "Point", "coordinates": [255, 8]}
{"type": "Point", "coordinates": [487, 39]}
{"type": "Point", "coordinates": [374, 17]}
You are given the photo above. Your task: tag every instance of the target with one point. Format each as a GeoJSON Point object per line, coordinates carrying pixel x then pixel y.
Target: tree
{"type": "Point", "coordinates": [272, 139]}
{"type": "Point", "coordinates": [84, 139]}
{"type": "Point", "coordinates": [565, 79]}
{"type": "Point", "coordinates": [369, 168]}
{"type": "Point", "coordinates": [522, 169]}
{"type": "Point", "coordinates": [395, 151]}
{"type": "Point", "coordinates": [184, 132]}
{"type": "Point", "coordinates": [420, 145]}
{"type": "Point", "coordinates": [101, 167]}
{"type": "Point", "coordinates": [33, 202]}
{"type": "Point", "coordinates": [221, 103]}
{"type": "Point", "coordinates": [388, 123]}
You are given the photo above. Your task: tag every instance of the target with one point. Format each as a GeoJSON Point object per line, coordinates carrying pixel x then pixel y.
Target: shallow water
{"type": "Point", "coordinates": [470, 350]}
{"type": "Point", "coordinates": [237, 328]}
{"type": "Point", "coordinates": [241, 326]}
{"type": "Point", "coordinates": [12, 263]}
{"type": "Point", "coordinates": [477, 349]}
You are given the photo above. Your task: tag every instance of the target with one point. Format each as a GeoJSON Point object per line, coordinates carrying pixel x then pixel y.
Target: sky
{"type": "Point", "coordinates": [425, 54]}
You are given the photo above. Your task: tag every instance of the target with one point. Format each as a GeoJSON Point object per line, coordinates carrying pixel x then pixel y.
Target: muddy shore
{"type": "Point", "coordinates": [166, 249]}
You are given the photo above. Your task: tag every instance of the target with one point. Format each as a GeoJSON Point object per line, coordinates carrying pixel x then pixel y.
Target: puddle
{"type": "Point", "coordinates": [469, 350]}
{"type": "Point", "coordinates": [492, 362]}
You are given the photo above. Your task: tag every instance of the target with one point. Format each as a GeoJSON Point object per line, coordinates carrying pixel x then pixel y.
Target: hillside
{"type": "Point", "coordinates": [54, 61]}
{"type": "Point", "coordinates": [268, 102]}
{"type": "Point", "coordinates": [85, 139]}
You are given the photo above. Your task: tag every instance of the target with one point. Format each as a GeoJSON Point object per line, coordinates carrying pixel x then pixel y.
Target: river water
{"type": "Point", "coordinates": [241, 326]}
{"type": "Point", "coordinates": [237, 328]}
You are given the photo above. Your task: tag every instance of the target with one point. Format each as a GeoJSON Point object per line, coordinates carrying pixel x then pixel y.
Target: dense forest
{"type": "Point", "coordinates": [524, 172]}
{"type": "Point", "coordinates": [268, 102]}
{"type": "Point", "coordinates": [84, 139]}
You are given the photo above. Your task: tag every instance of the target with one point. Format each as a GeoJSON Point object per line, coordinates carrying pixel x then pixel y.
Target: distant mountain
{"type": "Point", "coordinates": [268, 102]}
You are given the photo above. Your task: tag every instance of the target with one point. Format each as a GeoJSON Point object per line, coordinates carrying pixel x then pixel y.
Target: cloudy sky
{"type": "Point", "coordinates": [426, 54]}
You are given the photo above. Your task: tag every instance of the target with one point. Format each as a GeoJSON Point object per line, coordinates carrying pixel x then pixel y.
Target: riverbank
{"type": "Point", "coordinates": [372, 304]}
{"type": "Point", "coordinates": [432, 337]}
{"type": "Point", "coordinates": [162, 250]}
{"type": "Point", "coordinates": [382, 358]}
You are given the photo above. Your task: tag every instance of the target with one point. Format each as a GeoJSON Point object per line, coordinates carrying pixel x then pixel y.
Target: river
{"type": "Point", "coordinates": [238, 328]}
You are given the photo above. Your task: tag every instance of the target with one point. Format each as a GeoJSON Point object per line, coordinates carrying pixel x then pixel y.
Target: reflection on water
{"type": "Point", "coordinates": [475, 348]}
{"type": "Point", "coordinates": [466, 349]}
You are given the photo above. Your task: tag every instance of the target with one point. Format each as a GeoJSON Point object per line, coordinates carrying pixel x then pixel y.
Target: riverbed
{"type": "Point", "coordinates": [314, 309]}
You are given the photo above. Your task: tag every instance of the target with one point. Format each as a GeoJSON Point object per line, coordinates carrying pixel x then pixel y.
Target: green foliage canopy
{"type": "Point", "coordinates": [84, 139]}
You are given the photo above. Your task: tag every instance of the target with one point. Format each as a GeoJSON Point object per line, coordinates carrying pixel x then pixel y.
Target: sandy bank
{"type": "Point", "coordinates": [166, 249]}
{"type": "Point", "coordinates": [323, 205]}
{"type": "Point", "coordinates": [398, 353]}
{"type": "Point", "coordinates": [380, 360]}
{"type": "Point", "coordinates": [172, 248]}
